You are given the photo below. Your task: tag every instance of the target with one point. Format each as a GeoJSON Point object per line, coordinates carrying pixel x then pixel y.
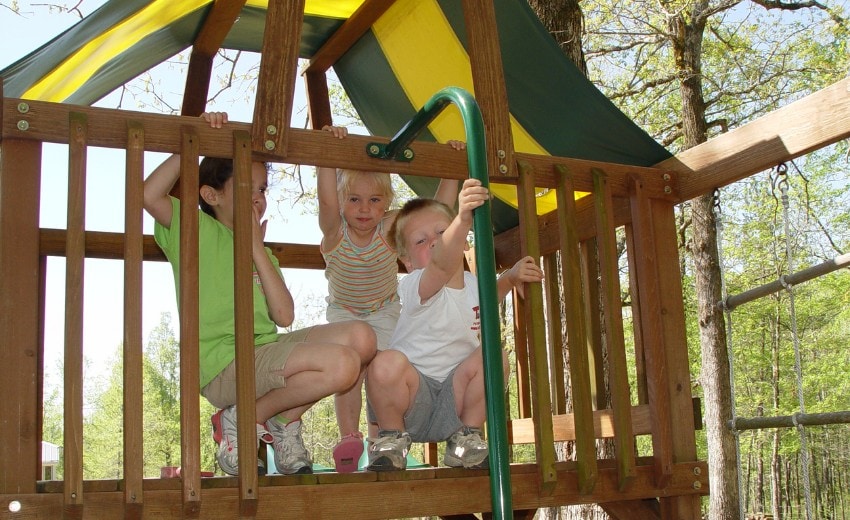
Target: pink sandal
{"type": "Point", "coordinates": [347, 452]}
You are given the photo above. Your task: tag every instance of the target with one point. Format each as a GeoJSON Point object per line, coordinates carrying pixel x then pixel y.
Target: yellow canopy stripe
{"type": "Point", "coordinates": [407, 28]}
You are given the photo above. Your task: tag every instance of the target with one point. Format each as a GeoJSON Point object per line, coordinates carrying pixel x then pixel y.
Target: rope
{"type": "Point", "coordinates": [782, 183]}
{"type": "Point", "coordinates": [727, 315]}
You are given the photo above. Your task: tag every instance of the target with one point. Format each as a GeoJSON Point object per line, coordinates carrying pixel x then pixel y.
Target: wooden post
{"type": "Point", "coordinates": [190, 455]}
{"type": "Point", "coordinates": [74, 280]}
{"type": "Point", "coordinates": [20, 350]}
{"type": "Point", "coordinates": [276, 84]}
{"type": "Point", "coordinates": [133, 380]}
{"type": "Point", "coordinates": [485, 58]}
{"type": "Point", "coordinates": [243, 296]}
{"type": "Point", "coordinates": [649, 302]}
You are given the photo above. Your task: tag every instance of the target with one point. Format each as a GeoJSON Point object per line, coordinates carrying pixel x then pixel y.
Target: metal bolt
{"type": "Point", "coordinates": [23, 108]}
{"type": "Point", "coordinates": [23, 125]}
{"type": "Point", "coordinates": [668, 190]}
{"type": "Point", "coordinates": [73, 495]}
{"type": "Point", "coordinates": [374, 149]}
{"type": "Point", "coordinates": [14, 506]}
{"type": "Point", "coordinates": [666, 177]}
{"type": "Point", "coordinates": [502, 154]}
{"type": "Point", "coordinates": [271, 130]}
{"type": "Point", "coordinates": [697, 470]}
{"type": "Point", "coordinates": [503, 168]}
{"type": "Point", "coordinates": [697, 484]}
{"type": "Point", "coordinates": [408, 153]}
{"type": "Point", "coordinates": [269, 144]}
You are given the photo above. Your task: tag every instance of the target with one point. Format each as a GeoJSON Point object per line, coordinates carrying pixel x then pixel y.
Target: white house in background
{"type": "Point", "coordinates": [49, 460]}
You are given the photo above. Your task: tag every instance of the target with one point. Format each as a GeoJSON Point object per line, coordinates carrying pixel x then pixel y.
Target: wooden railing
{"type": "Point", "coordinates": [636, 200]}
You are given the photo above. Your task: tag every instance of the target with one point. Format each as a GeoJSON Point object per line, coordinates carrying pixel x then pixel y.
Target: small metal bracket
{"type": "Point", "coordinates": [379, 151]}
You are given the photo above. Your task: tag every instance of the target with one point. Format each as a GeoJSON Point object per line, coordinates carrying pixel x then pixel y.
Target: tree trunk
{"type": "Point", "coordinates": [687, 35]}
{"type": "Point", "coordinates": [565, 22]}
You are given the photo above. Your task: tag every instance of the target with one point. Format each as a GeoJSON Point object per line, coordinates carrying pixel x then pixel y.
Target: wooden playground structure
{"type": "Point", "coordinates": [576, 243]}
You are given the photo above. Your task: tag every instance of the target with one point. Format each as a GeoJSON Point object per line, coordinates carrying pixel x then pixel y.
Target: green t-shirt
{"type": "Point", "coordinates": [216, 314]}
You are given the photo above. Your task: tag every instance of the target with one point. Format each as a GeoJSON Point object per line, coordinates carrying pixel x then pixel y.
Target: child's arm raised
{"type": "Point", "coordinates": [278, 298]}
{"type": "Point", "coordinates": [160, 182]}
{"type": "Point", "coordinates": [330, 220]}
{"type": "Point", "coordinates": [447, 258]}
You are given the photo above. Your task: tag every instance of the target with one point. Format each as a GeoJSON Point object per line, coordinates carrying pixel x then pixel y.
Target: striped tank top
{"type": "Point", "coordinates": [361, 279]}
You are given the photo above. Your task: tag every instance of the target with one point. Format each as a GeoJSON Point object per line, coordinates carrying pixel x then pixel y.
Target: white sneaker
{"type": "Point", "coordinates": [388, 452]}
{"type": "Point", "coordinates": [465, 448]}
{"type": "Point", "coordinates": [290, 455]}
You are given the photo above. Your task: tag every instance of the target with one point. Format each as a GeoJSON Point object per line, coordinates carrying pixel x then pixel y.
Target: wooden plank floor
{"type": "Point", "coordinates": [363, 495]}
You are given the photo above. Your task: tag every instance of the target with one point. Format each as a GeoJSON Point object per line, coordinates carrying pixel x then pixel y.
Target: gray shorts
{"type": "Point", "coordinates": [383, 320]}
{"type": "Point", "coordinates": [269, 361]}
{"type": "Point", "coordinates": [433, 416]}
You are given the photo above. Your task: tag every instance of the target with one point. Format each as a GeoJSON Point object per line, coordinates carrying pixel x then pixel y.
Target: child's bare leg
{"type": "Point", "coordinates": [469, 390]}
{"type": "Point", "coordinates": [313, 371]}
{"type": "Point", "coordinates": [360, 338]}
{"type": "Point", "coordinates": [393, 383]}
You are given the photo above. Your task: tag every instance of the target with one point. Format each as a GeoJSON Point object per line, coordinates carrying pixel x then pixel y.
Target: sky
{"type": "Point", "coordinates": [103, 291]}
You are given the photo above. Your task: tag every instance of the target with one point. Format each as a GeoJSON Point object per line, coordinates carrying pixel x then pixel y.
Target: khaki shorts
{"type": "Point", "coordinates": [383, 320]}
{"type": "Point", "coordinates": [269, 361]}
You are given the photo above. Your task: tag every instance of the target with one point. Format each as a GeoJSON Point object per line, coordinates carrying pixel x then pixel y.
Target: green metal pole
{"type": "Point", "coordinates": [494, 385]}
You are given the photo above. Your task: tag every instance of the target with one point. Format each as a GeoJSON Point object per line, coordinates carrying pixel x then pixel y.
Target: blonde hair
{"type": "Point", "coordinates": [346, 178]}
{"type": "Point", "coordinates": [396, 237]}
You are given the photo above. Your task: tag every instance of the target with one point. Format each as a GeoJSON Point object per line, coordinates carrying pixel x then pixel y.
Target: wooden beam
{"type": "Point", "coordinates": [646, 275]}
{"type": "Point", "coordinates": [644, 509]}
{"type": "Point", "coordinates": [488, 78]}
{"type": "Point", "coordinates": [74, 281]}
{"type": "Point", "coordinates": [190, 452]}
{"type": "Point", "coordinates": [808, 124]}
{"type": "Point", "coordinates": [217, 24]}
{"type": "Point", "coordinates": [20, 350]}
{"type": "Point", "coordinates": [347, 35]}
{"type": "Point", "coordinates": [278, 67]}
{"type": "Point", "coordinates": [107, 128]}
{"type": "Point", "coordinates": [432, 492]}
{"type": "Point", "coordinates": [134, 465]}
{"type": "Point", "coordinates": [674, 338]}
{"type": "Point", "coordinates": [521, 431]}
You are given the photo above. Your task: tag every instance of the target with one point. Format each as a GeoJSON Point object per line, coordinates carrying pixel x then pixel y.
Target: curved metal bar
{"type": "Point", "coordinates": [494, 386]}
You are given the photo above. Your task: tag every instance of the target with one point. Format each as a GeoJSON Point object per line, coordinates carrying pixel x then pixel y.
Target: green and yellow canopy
{"type": "Point", "coordinates": [415, 49]}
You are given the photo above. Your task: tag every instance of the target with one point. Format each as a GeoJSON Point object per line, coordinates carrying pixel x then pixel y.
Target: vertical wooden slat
{"type": "Point", "coordinates": [676, 355]}
{"type": "Point", "coordinates": [647, 276]}
{"type": "Point", "coordinates": [318, 99]}
{"type": "Point", "coordinates": [555, 337]}
{"type": "Point", "coordinates": [244, 306]}
{"type": "Point", "coordinates": [278, 66]}
{"type": "Point", "coordinates": [590, 283]}
{"type": "Point", "coordinates": [576, 322]}
{"type": "Point", "coordinates": [613, 325]}
{"type": "Point", "coordinates": [488, 78]}
{"type": "Point", "coordinates": [20, 178]}
{"type": "Point", "coordinates": [637, 312]}
{"type": "Point", "coordinates": [216, 27]}
{"type": "Point", "coordinates": [74, 277]}
{"type": "Point", "coordinates": [190, 455]}
{"type": "Point", "coordinates": [133, 403]}
{"type": "Point", "coordinates": [533, 306]}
